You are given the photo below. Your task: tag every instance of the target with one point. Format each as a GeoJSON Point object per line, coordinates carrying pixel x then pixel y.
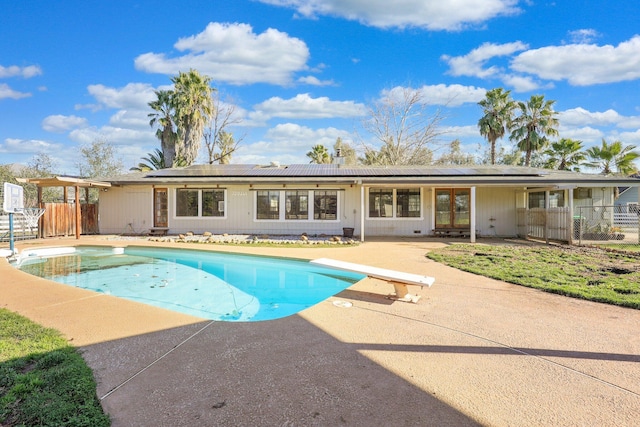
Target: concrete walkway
{"type": "Point", "coordinates": [473, 351]}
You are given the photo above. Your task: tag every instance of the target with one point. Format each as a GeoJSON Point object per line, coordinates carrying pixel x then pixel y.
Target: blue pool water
{"type": "Point", "coordinates": [211, 285]}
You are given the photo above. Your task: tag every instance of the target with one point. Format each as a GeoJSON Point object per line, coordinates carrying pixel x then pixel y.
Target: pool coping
{"type": "Point", "coordinates": [472, 351]}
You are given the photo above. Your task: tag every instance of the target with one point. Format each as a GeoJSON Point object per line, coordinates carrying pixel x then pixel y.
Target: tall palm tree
{"type": "Point", "coordinates": [319, 154]}
{"type": "Point", "coordinates": [163, 118]}
{"type": "Point", "coordinates": [566, 155]}
{"type": "Point", "coordinates": [612, 156]}
{"type": "Point", "coordinates": [193, 107]}
{"type": "Point", "coordinates": [497, 107]}
{"type": "Point", "coordinates": [536, 121]}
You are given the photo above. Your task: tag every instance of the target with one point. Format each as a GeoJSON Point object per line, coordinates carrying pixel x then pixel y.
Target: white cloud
{"type": "Point", "coordinates": [7, 92]}
{"type": "Point", "coordinates": [303, 106]}
{"type": "Point", "coordinates": [452, 95]}
{"type": "Point", "coordinates": [522, 83]}
{"type": "Point", "coordinates": [59, 124]}
{"type": "Point", "coordinates": [460, 132]}
{"type": "Point", "coordinates": [133, 95]}
{"type": "Point", "coordinates": [314, 81]}
{"type": "Point", "coordinates": [580, 117]}
{"type": "Point", "coordinates": [587, 134]}
{"type": "Point", "coordinates": [15, 71]}
{"type": "Point", "coordinates": [233, 53]}
{"type": "Point", "coordinates": [288, 143]}
{"type": "Point", "coordinates": [585, 35]}
{"type": "Point", "coordinates": [428, 14]}
{"type": "Point", "coordinates": [632, 138]}
{"type": "Point", "coordinates": [27, 146]}
{"type": "Point", "coordinates": [441, 94]}
{"type": "Point", "coordinates": [136, 119]}
{"type": "Point", "coordinates": [473, 63]}
{"type": "Point", "coordinates": [583, 64]}
{"type": "Point", "coordinates": [114, 135]}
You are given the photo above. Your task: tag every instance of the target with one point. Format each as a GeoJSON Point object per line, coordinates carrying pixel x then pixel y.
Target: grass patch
{"type": "Point", "coordinates": [593, 274]}
{"type": "Point", "coordinates": [43, 380]}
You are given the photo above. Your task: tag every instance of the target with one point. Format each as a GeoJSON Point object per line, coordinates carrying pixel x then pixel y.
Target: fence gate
{"type": "Point", "coordinates": [59, 219]}
{"type": "Point", "coordinates": [544, 224]}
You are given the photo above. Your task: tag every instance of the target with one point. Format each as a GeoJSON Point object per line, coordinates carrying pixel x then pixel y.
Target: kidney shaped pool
{"type": "Point", "coordinates": [211, 285]}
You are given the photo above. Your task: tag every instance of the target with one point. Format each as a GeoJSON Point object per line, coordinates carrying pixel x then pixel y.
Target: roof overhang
{"type": "Point", "coordinates": [65, 181]}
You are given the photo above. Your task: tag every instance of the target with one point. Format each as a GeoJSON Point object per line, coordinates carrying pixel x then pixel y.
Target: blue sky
{"type": "Point", "coordinates": [301, 72]}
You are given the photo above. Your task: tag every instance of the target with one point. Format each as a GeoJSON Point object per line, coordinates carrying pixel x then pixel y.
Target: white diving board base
{"type": "Point", "coordinates": [398, 279]}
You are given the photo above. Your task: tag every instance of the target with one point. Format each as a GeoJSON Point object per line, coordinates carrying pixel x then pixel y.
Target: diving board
{"type": "Point", "coordinates": [398, 279]}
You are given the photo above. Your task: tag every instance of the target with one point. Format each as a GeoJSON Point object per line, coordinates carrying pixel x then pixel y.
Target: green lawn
{"type": "Point", "coordinates": [593, 274]}
{"type": "Point", "coordinates": [43, 380]}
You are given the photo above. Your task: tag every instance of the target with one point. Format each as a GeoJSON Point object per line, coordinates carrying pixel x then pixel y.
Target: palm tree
{"type": "Point", "coordinates": [227, 146]}
{"type": "Point", "coordinates": [614, 155]}
{"type": "Point", "coordinates": [156, 161]}
{"type": "Point", "coordinates": [163, 118]}
{"type": "Point", "coordinates": [498, 110]}
{"type": "Point", "coordinates": [566, 155]}
{"type": "Point", "coordinates": [319, 154]}
{"type": "Point", "coordinates": [193, 106]}
{"type": "Point", "coordinates": [536, 121]}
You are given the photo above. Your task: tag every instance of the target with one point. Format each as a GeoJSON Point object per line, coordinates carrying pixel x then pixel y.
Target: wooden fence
{"type": "Point", "coordinates": [59, 219]}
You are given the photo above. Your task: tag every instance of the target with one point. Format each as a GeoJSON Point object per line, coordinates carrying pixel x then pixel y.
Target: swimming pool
{"type": "Point", "coordinates": [211, 285]}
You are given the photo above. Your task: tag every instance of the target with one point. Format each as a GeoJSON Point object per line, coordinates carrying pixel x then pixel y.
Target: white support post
{"type": "Point", "coordinates": [547, 194]}
{"type": "Point", "coordinates": [572, 229]}
{"type": "Point", "coordinates": [362, 216]}
{"type": "Point", "coordinates": [472, 215]}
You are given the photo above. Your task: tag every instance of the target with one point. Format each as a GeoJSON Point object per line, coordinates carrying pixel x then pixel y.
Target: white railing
{"type": "Point", "coordinates": [20, 228]}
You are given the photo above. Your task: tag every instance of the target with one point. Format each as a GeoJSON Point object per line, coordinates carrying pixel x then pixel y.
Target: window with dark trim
{"type": "Point", "coordinates": [267, 204]}
{"type": "Point", "coordinates": [187, 202]}
{"type": "Point", "coordinates": [194, 202]}
{"type": "Point", "coordinates": [408, 203]}
{"type": "Point", "coordinates": [325, 205]}
{"type": "Point", "coordinates": [395, 203]}
{"type": "Point", "coordinates": [296, 204]}
{"type": "Point", "coordinates": [212, 202]}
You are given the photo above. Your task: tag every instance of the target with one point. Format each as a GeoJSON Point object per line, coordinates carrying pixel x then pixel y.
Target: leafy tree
{"type": "Point", "coordinates": [530, 128]}
{"type": "Point", "coordinates": [319, 154]}
{"type": "Point", "coordinates": [614, 158]}
{"type": "Point", "coordinates": [455, 156]}
{"type": "Point", "coordinates": [98, 160]}
{"type": "Point", "coordinates": [41, 165]}
{"type": "Point", "coordinates": [193, 106]}
{"type": "Point", "coordinates": [402, 124]}
{"type": "Point", "coordinates": [498, 111]}
{"type": "Point", "coordinates": [220, 143]}
{"type": "Point", "coordinates": [347, 152]}
{"type": "Point", "coordinates": [163, 118]}
{"type": "Point", "coordinates": [565, 155]}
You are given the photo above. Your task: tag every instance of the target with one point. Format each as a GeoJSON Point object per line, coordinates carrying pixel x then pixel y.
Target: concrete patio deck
{"type": "Point", "coordinates": [473, 351]}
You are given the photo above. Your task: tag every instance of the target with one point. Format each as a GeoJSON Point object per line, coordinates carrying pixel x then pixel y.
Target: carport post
{"type": "Point", "coordinates": [78, 213]}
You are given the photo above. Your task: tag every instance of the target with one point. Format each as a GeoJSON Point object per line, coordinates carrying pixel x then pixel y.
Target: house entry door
{"type": "Point", "coordinates": [453, 207]}
{"type": "Point", "coordinates": [160, 207]}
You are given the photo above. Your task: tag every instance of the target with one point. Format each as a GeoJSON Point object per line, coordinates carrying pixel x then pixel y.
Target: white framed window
{"type": "Point", "coordinates": [296, 205]}
{"type": "Point", "coordinates": [394, 203]}
{"type": "Point", "coordinates": [200, 203]}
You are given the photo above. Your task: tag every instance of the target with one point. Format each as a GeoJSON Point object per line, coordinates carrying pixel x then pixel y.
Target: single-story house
{"type": "Point", "coordinates": [337, 199]}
